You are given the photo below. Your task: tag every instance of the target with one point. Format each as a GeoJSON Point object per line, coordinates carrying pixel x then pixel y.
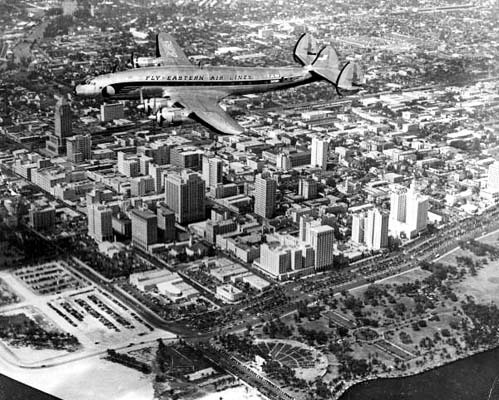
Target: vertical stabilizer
{"type": "Point", "coordinates": [327, 59]}
{"type": "Point", "coordinates": [306, 49]}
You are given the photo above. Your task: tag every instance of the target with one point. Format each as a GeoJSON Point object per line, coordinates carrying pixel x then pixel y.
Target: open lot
{"type": "Point", "coordinates": [73, 305]}
{"type": "Point", "coordinates": [50, 278]}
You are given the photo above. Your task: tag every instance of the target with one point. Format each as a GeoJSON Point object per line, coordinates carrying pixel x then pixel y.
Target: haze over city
{"type": "Point", "coordinates": [223, 199]}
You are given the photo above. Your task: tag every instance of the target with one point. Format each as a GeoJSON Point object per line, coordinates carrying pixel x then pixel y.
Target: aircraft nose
{"type": "Point", "coordinates": [81, 90]}
{"type": "Point", "coordinates": [84, 90]}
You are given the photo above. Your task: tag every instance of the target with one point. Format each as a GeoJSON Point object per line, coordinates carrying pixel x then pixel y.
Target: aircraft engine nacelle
{"type": "Point", "coordinates": [147, 62]}
{"type": "Point", "coordinates": [155, 104]}
{"type": "Point", "coordinates": [108, 91]}
{"type": "Point", "coordinates": [171, 115]}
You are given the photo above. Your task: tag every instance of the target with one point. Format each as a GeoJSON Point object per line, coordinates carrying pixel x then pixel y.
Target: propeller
{"type": "Point", "coordinates": [131, 64]}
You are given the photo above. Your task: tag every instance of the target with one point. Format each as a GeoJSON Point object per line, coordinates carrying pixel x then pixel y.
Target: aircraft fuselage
{"type": "Point", "coordinates": [160, 81]}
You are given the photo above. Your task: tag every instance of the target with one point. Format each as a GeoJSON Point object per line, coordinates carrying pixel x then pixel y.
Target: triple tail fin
{"type": "Point", "coordinates": [347, 80]}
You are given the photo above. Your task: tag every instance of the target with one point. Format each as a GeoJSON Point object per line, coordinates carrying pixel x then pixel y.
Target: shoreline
{"type": "Point", "coordinates": [405, 374]}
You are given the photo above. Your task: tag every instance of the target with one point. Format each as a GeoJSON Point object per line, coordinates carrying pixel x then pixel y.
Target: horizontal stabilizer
{"type": "Point", "coordinates": [306, 49]}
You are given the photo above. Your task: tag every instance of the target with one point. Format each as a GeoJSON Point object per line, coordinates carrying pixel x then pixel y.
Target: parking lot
{"type": "Point", "coordinates": [75, 305]}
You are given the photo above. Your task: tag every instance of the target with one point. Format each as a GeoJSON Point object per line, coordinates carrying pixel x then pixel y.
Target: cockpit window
{"type": "Point", "coordinates": [88, 80]}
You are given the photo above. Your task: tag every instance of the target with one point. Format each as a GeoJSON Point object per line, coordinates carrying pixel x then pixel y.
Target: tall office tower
{"type": "Point", "coordinates": [185, 195]}
{"type": "Point", "coordinates": [78, 148]}
{"type": "Point", "coordinates": [100, 225]}
{"type": "Point", "coordinates": [322, 240]}
{"type": "Point", "coordinates": [56, 143]}
{"type": "Point", "coordinates": [109, 112]}
{"type": "Point", "coordinates": [493, 179]}
{"type": "Point", "coordinates": [166, 223]}
{"type": "Point", "coordinates": [408, 212]}
{"type": "Point", "coordinates": [376, 229]}
{"type": "Point", "coordinates": [265, 193]}
{"type": "Point", "coordinates": [212, 171]}
{"type": "Point", "coordinates": [158, 173]}
{"type": "Point", "coordinates": [319, 153]}
{"type": "Point", "coordinates": [63, 119]}
{"type": "Point", "coordinates": [417, 211]}
{"type": "Point", "coordinates": [308, 189]}
{"type": "Point", "coordinates": [398, 203]}
{"type": "Point", "coordinates": [358, 228]}
{"type": "Point", "coordinates": [144, 228]}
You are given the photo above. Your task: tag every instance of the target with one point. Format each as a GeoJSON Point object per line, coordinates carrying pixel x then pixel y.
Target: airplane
{"type": "Point", "coordinates": [175, 89]}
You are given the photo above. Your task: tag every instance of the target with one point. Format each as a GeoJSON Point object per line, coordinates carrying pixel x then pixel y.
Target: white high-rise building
{"type": "Point", "coordinates": [398, 202]}
{"type": "Point", "coordinates": [285, 255]}
{"type": "Point", "coordinates": [158, 173]}
{"type": "Point", "coordinates": [319, 153]}
{"type": "Point", "coordinates": [322, 240]}
{"type": "Point", "coordinates": [212, 171]}
{"type": "Point", "coordinates": [358, 228]}
{"type": "Point", "coordinates": [408, 212]}
{"type": "Point", "coordinates": [376, 229]}
{"type": "Point", "coordinates": [417, 211]}
{"type": "Point", "coordinates": [265, 194]}
{"type": "Point", "coordinates": [100, 226]}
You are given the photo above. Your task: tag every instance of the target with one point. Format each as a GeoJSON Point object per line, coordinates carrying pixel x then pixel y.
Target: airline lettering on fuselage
{"type": "Point", "coordinates": [196, 77]}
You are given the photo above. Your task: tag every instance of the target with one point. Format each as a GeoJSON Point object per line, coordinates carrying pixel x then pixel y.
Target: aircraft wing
{"type": "Point", "coordinates": [168, 49]}
{"type": "Point", "coordinates": [207, 111]}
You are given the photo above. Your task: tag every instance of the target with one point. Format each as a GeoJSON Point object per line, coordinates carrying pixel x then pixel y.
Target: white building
{"type": "Point", "coordinates": [358, 228]}
{"type": "Point", "coordinates": [100, 225]}
{"type": "Point", "coordinates": [322, 240]}
{"type": "Point", "coordinates": [376, 229]}
{"type": "Point", "coordinates": [319, 153]}
{"type": "Point", "coordinates": [408, 212]}
{"type": "Point", "coordinates": [212, 171]}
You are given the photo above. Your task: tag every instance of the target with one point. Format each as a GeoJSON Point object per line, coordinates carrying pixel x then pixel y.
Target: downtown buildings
{"type": "Point", "coordinates": [265, 195]}
{"type": "Point", "coordinates": [408, 212]}
{"type": "Point", "coordinates": [185, 195]}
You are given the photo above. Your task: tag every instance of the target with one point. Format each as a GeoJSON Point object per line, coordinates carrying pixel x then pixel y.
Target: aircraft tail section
{"type": "Point", "coordinates": [351, 78]}
{"type": "Point", "coordinates": [305, 50]}
{"type": "Point", "coordinates": [348, 79]}
{"type": "Point", "coordinates": [327, 59]}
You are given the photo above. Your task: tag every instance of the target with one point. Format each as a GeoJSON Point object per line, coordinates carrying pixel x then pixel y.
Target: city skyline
{"type": "Point", "coordinates": [338, 239]}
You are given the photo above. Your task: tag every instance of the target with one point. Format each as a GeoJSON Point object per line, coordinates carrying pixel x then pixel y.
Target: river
{"type": "Point", "coordinates": [11, 389]}
{"type": "Point", "coordinates": [472, 378]}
